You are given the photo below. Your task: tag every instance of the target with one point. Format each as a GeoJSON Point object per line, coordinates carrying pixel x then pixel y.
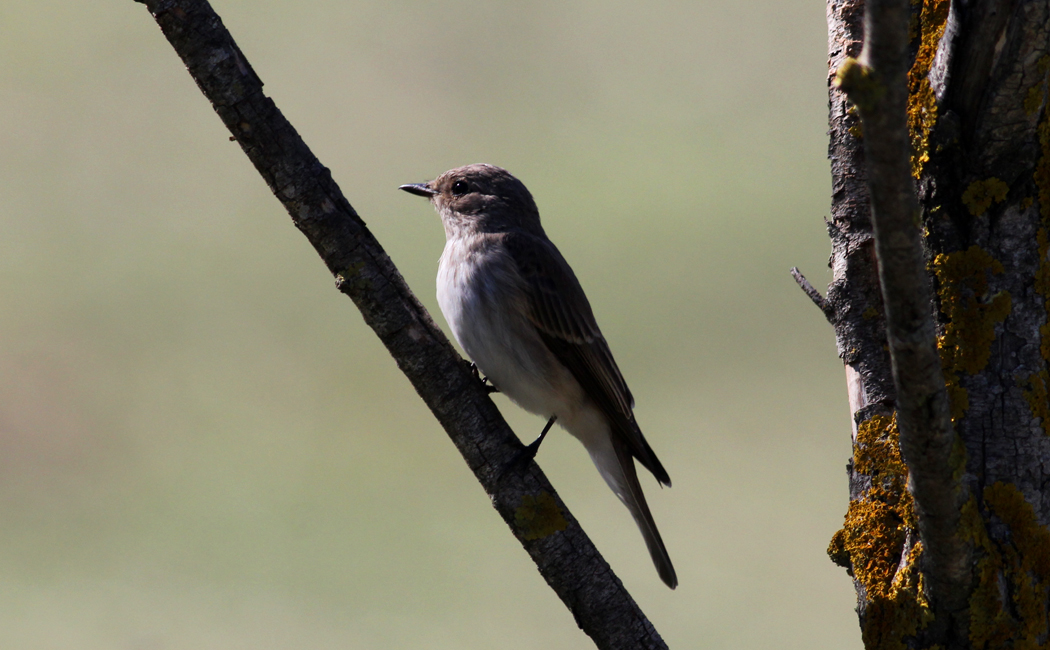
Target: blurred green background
{"type": "Point", "coordinates": [203, 446]}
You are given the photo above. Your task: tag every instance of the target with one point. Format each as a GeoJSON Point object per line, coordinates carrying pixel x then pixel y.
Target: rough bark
{"type": "Point", "coordinates": [877, 85]}
{"type": "Point", "coordinates": [979, 130]}
{"type": "Point", "coordinates": [564, 555]}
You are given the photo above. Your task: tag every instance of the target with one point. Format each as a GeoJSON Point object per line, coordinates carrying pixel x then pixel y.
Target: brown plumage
{"type": "Point", "coordinates": [518, 311]}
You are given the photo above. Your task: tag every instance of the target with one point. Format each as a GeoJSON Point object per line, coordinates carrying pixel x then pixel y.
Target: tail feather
{"type": "Point", "coordinates": [634, 499]}
{"type": "Point", "coordinates": [616, 466]}
{"type": "Point", "coordinates": [640, 449]}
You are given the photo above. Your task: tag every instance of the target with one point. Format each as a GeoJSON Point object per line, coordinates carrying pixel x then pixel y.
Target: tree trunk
{"type": "Point", "coordinates": [979, 124]}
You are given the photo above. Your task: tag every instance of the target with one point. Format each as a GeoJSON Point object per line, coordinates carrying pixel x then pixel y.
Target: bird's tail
{"type": "Point", "coordinates": [619, 472]}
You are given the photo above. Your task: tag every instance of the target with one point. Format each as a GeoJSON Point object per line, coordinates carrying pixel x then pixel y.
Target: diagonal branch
{"type": "Point", "coordinates": [877, 86]}
{"type": "Point", "coordinates": [565, 556]}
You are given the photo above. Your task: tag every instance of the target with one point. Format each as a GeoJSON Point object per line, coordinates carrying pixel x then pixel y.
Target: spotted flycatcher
{"type": "Point", "coordinates": [518, 311]}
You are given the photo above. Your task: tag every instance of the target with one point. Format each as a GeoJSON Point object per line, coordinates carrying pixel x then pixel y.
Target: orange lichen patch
{"type": "Point", "coordinates": [922, 105]}
{"type": "Point", "coordinates": [877, 451]}
{"type": "Point", "coordinates": [971, 315]}
{"type": "Point", "coordinates": [1008, 608]}
{"type": "Point", "coordinates": [873, 538]}
{"type": "Point", "coordinates": [980, 195]}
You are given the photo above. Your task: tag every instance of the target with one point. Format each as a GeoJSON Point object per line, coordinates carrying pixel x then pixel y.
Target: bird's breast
{"type": "Point", "coordinates": [485, 303]}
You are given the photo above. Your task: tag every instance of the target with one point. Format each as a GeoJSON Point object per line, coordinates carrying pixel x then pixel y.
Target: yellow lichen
{"type": "Point", "coordinates": [351, 278]}
{"type": "Point", "coordinates": [1035, 394]}
{"type": "Point", "coordinates": [913, 22]}
{"type": "Point", "coordinates": [980, 195]}
{"type": "Point", "coordinates": [922, 104]}
{"type": "Point", "coordinates": [971, 315]}
{"type": "Point", "coordinates": [1008, 607]}
{"type": "Point", "coordinates": [873, 537]}
{"type": "Point", "coordinates": [539, 516]}
{"type": "Point", "coordinates": [1034, 99]}
{"type": "Point", "coordinates": [988, 621]}
{"type": "Point", "coordinates": [857, 130]}
{"type": "Point", "coordinates": [860, 84]}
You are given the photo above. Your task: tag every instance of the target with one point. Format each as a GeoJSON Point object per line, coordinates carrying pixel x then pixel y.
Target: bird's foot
{"type": "Point", "coordinates": [528, 452]}
{"type": "Point", "coordinates": [486, 383]}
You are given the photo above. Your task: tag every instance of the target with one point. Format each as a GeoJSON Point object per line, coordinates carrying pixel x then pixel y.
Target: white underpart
{"type": "Point", "coordinates": [484, 304]}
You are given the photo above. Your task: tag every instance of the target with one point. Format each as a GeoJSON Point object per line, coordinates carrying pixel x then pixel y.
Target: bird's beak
{"type": "Point", "coordinates": [419, 189]}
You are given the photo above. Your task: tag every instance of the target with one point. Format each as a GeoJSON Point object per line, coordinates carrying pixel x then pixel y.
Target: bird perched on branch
{"type": "Point", "coordinates": [518, 311]}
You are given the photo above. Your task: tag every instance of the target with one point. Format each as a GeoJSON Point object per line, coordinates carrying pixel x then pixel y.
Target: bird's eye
{"type": "Point", "coordinates": [459, 188]}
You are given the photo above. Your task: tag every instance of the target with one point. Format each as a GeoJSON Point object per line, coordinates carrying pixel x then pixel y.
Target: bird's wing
{"type": "Point", "coordinates": [562, 315]}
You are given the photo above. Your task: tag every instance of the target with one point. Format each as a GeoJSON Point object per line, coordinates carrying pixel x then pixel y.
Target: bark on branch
{"type": "Point", "coordinates": [811, 291]}
{"type": "Point", "coordinates": [877, 85]}
{"type": "Point", "coordinates": [565, 556]}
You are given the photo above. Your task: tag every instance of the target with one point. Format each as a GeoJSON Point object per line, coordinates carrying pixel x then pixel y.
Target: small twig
{"type": "Point", "coordinates": [812, 292]}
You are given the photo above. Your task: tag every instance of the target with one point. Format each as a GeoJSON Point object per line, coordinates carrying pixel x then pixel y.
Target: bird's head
{"type": "Point", "coordinates": [480, 198]}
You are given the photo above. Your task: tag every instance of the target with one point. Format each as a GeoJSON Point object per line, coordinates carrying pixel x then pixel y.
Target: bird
{"type": "Point", "coordinates": [517, 309]}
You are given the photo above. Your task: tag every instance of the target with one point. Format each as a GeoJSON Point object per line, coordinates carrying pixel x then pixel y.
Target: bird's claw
{"type": "Point", "coordinates": [486, 383]}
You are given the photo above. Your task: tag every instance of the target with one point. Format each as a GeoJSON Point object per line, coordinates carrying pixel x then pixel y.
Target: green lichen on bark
{"type": "Point", "coordinates": [857, 130]}
{"type": "Point", "coordinates": [1037, 93]}
{"type": "Point", "coordinates": [1035, 386]}
{"type": "Point", "coordinates": [860, 84]}
{"type": "Point", "coordinates": [1009, 606]}
{"type": "Point", "coordinates": [873, 537]}
{"type": "Point", "coordinates": [980, 195]}
{"type": "Point", "coordinates": [1035, 393]}
{"type": "Point", "coordinates": [971, 315]}
{"type": "Point", "coordinates": [539, 516]}
{"type": "Point", "coordinates": [922, 104]}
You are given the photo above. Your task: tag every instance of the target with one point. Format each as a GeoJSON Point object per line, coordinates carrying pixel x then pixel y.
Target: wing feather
{"type": "Point", "coordinates": [561, 313]}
